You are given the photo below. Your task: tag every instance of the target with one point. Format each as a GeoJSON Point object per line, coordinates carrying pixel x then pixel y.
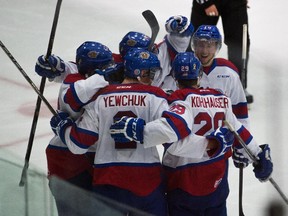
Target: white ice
{"type": "Point", "coordinates": [25, 29]}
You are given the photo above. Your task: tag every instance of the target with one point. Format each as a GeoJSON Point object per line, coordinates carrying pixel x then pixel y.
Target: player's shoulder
{"type": "Point", "coordinates": [226, 63]}
{"type": "Point", "coordinates": [72, 78]}
{"type": "Point", "coordinates": [181, 94]}
{"type": "Point", "coordinates": [211, 91]}
{"type": "Point", "coordinates": [133, 88]}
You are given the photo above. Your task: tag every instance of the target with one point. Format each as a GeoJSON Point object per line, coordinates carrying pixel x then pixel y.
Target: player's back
{"type": "Point", "coordinates": [126, 165]}
{"type": "Point", "coordinates": [135, 100]}
{"type": "Point", "coordinates": [209, 107]}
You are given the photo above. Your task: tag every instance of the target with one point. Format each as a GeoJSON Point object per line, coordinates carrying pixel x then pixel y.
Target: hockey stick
{"type": "Point", "coordinates": [244, 56]}
{"type": "Point", "coordinates": [241, 213]}
{"type": "Point", "coordinates": [154, 25]}
{"type": "Point", "coordinates": [243, 74]}
{"type": "Point", "coordinates": [38, 103]}
{"type": "Point", "coordinates": [254, 159]}
{"type": "Point", "coordinates": [27, 78]}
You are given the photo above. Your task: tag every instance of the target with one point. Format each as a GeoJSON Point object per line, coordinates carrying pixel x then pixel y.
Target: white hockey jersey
{"type": "Point", "coordinates": [74, 92]}
{"type": "Point", "coordinates": [167, 50]}
{"type": "Point", "coordinates": [209, 108]}
{"type": "Point", "coordinates": [129, 166]}
{"type": "Point", "coordinates": [223, 75]}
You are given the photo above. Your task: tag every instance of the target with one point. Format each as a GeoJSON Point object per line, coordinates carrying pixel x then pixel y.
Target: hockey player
{"type": "Point", "coordinates": [75, 169]}
{"type": "Point", "coordinates": [129, 173]}
{"type": "Point", "coordinates": [131, 40]}
{"type": "Point", "coordinates": [219, 73]}
{"type": "Point", "coordinates": [177, 40]}
{"type": "Point", "coordinates": [234, 14]}
{"type": "Point", "coordinates": [199, 186]}
{"type": "Point", "coordinates": [129, 170]}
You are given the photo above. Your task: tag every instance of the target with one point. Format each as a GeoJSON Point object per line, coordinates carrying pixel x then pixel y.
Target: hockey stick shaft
{"type": "Point", "coordinates": [241, 213]}
{"type": "Point", "coordinates": [244, 52]}
{"type": "Point", "coordinates": [38, 103]}
{"type": "Point", "coordinates": [254, 159]}
{"type": "Point", "coordinates": [27, 77]}
{"type": "Point", "coordinates": [244, 56]}
{"type": "Point", "coordinates": [154, 25]}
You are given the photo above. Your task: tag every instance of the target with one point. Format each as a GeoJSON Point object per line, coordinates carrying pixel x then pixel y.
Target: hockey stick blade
{"type": "Point", "coordinates": [38, 102]}
{"type": "Point", "coordinates": [154, 25]}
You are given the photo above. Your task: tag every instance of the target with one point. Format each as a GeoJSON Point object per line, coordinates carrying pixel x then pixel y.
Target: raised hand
{"type": "Point", "coordinates": [128, 129]}
{"type": "Point", "coordinates": [51, 67]}
{"type": "Point", "coordinates": [180, 25]}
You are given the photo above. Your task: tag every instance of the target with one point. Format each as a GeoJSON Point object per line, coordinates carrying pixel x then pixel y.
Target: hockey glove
{"type": "Point", "coordinates": [264, 168]}
{"type": "Point", "coordinates": [224, 137]}
{"type": "Point", "coordinates": [59, 123]}
{"type": "Point", "coordinates": [239, 159]}
{"type": "Point", "coordinates": [128, 129]}
{"type": "Point", "coordinates": [50, 68]}
{"type": "Point", "coordinates": [113, 73]}
{"type": "Point", "coordinates": [179, 25]}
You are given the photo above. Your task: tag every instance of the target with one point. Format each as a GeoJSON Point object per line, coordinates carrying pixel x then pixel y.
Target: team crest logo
{"type": "Point", "coordinates": [131, 42]}
{"type": "Point", "coordinates": [144, 55]}
{"type": "Point", "coordinates": [92, 54]}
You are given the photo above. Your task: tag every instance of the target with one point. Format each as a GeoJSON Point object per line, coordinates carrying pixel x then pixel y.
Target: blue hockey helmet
{"type": "Point", "coordinates": [138, 60]}
{"type": "Point", "coordinates": [92, 55]}
{"type": "Point", "coordinates": [186, 66]}
{"type": "Point", "coordinates": [209, 33]}
{"type": "Point", "coordinates": [133, 39]}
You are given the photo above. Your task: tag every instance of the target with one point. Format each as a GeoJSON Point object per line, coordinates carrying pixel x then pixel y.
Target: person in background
{"type": "Point", "coordinates": [233, 14]}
